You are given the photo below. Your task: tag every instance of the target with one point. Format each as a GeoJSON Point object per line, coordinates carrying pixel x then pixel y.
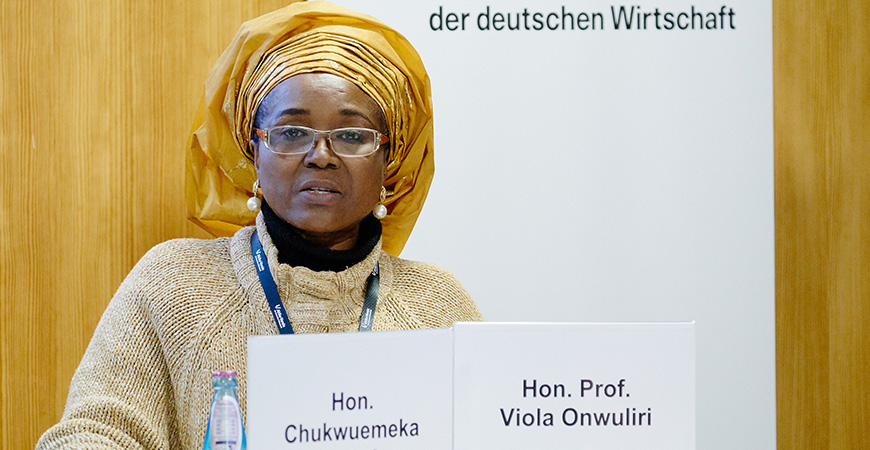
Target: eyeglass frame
{"type": "Point", "coordinates": [380, 138]}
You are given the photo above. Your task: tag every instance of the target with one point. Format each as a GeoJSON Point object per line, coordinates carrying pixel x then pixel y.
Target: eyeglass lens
{"type": "Point", "coordinates": [343, 141]}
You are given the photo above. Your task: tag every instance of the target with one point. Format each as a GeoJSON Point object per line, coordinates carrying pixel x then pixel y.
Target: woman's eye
{"type": "Point", "coordinates": [350, 136]}
{"type": "Point", "coordinates": [293, 134]}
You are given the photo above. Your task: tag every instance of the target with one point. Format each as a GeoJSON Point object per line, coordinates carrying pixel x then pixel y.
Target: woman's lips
{"type": "Point", "coordinates": [319, 187]}
{"type": "Point", "coordinates": [319, 191]}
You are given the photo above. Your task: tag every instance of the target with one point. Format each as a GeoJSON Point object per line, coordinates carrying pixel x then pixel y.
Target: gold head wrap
{"type": "Point", "coordinates": [300, 38]}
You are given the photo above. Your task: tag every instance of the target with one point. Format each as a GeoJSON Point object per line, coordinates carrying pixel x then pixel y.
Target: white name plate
{"type": "Point", "coordinates": [383, 390]}
{"type": "Point", "coordinates": [574, 386]}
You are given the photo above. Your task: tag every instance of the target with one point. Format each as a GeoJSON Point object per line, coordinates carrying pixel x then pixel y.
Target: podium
{"type": "Point", "coordinates": [477, 385]}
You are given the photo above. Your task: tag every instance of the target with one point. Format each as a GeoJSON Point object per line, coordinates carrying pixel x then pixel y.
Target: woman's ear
{"type": "Point", "coordinates": [386, 163]}
{"type": "Point", "coordinates": [255, 150]}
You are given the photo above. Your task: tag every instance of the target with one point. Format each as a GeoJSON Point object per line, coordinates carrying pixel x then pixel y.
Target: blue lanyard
{"type": "Point", "coordinates": [277, 308]}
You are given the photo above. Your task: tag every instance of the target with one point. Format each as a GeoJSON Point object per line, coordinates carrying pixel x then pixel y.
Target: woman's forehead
{"type": "Point", "coordinates": [318, 93]}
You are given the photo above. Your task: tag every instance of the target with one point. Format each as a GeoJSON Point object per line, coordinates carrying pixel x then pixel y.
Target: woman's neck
{"type": "Point", "coordinates": [337, 240]}
{"type": "Point", "coordinates": [300, 248]}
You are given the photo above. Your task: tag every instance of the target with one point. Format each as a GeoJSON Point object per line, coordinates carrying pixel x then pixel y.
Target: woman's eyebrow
{"type": "Point", "coordinates": [294, 112]}
{"type": "Point", "coordinates": [353, 112]}
{"type": "Point", "coordinates": [304, 112]}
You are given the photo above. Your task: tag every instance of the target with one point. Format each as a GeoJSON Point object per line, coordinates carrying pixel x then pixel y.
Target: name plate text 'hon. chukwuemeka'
{"type": "Point", "coordinates": [570, 386]}
{"type": "Point", "coordinates": [382, 390]}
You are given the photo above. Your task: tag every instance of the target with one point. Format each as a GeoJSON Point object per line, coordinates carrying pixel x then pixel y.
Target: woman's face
{"type": "Point", "coordinates": [322, 194]}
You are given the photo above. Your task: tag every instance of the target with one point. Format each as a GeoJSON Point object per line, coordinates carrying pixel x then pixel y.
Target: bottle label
{"type": "Point", "coordinates": [226, 432]}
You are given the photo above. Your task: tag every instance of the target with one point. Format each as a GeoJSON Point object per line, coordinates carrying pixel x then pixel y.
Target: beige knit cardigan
{"type": "Point", "coordinates": [187, 308]}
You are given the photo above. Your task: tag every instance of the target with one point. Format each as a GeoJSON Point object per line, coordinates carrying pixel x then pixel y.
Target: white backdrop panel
{"type": "Point", "coordinates": [611, 175]}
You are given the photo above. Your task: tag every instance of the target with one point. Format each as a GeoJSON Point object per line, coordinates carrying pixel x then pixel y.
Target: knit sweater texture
{"type": "Point", "coordinates": [187, 308]}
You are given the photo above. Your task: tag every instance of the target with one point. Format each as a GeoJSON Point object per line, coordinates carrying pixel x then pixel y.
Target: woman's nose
{"type": "Point", "coordinates": [321, 155]}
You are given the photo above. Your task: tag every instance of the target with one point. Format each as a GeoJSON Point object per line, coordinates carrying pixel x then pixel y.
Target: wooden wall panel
{"type": "Point", "coordinates": [801, 307]}
{"type": "Point", "coordinates": [97, 98]}
{"type": "Point", "coordinates": [822, 163]}
{"type": "Point", "coordinates": [849, 205]}
{"type": "Point", "coordinates": [97, 102]}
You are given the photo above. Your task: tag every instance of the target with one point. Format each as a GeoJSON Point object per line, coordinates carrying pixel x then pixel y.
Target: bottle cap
{"type": "Point", "coordinates": [224, 374]}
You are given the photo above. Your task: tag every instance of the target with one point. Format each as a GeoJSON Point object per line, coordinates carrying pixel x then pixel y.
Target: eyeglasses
{"type": "Point", "coordinates": [296, 140]}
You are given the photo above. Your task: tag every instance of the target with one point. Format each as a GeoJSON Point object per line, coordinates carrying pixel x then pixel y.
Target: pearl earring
{"type": "Point", "coordinates": [254, 202]}
{"type": "Point", "coordinates": [380, 210]}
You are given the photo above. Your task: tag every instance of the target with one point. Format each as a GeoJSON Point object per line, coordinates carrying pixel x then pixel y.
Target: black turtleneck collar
{"type": "Point", "coordinates": [294, 250]}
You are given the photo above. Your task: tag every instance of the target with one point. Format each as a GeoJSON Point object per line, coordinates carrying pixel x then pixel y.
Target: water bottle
{"type": "Point", "coordinates": [225, 428]}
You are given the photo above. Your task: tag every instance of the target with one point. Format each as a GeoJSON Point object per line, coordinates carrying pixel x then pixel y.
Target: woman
{"type": "Point", "coordinates": [326, 112]}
